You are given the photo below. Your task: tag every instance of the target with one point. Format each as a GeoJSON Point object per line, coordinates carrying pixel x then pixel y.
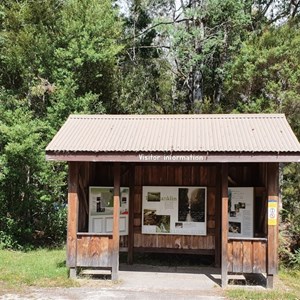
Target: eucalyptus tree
{"type": "Point", "coordinates": [264, 76]}
{"type": "Point", "coordinates": [189, 43]}
{"type": "Point", "coordinates": [145, 82]}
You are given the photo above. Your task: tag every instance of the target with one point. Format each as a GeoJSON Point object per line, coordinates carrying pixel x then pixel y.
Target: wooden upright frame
{"type": "Point", "coordinates": [237, 255]}
{"type": "Point", "coordinates": [273, 192]}
{"type": "Point", "coordinates": [116, 234]}
{"type": "Point", "coordinates": [72, 226]}
{"type": "Point", "coordinates": [224, 200]}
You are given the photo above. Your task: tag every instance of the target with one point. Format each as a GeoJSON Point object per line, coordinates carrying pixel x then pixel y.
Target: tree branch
{"type": "Point", "coordinates": [265, 9]}
{"type": "Point", "coordinates": [296, 7]}
{"type": "Point", "coordinates": [152, 46]}
{"type": "Point", "coordinates": [159, 24]}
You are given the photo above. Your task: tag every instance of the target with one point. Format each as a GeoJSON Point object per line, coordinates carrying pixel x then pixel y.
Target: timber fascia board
{"type": "Point", "coordinates": [182, 157]}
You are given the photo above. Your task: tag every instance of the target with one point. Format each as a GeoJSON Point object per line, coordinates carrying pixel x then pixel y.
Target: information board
{"type": "Point", "coordinates": [240, 212]}
{"type": "Point", "coordinates": [101, 209]}
{"type": "Point", "coordinates": [174, 210]}
{"type": "Point", "coordinates": [272, 212]}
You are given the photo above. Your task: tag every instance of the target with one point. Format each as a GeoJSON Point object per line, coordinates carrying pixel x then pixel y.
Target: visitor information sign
{"type": "Point", "coordinates": [240, 212]}
{"type": "Point", "coordinates": [272, 212]}
{"type": "Point", "coordinates": [174, 210]}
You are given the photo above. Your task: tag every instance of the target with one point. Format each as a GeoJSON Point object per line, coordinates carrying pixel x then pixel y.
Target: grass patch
{"type": "Point", "coordinates": [287, 288]}
{"type": "Point", "coordinates": [43, 268]}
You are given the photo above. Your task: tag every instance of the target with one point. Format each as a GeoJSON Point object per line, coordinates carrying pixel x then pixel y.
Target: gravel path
{"type": "Point", "coordinates": [155, 284]}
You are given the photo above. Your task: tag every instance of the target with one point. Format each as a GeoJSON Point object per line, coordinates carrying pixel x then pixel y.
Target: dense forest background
{"type": "Point", "coordinates": [59, 57]}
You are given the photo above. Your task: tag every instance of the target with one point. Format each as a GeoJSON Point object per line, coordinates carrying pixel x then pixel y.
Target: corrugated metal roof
{"type": "Point", "coordinates": [175, 133]}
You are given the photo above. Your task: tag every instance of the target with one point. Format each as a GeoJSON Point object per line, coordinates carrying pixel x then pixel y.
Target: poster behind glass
{"type": "Point", "coordinates": [174, 210]}
{"type": "Point", "coordinates": [101, 202]}
{"type": "Point", "coordinates": [240, 212]}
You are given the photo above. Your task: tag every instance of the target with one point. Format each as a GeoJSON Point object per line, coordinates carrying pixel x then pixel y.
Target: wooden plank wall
{"type": "Point", "coordinates": [175, 175]}
{"type": "Point", "coordinates": [247, 256]}
{"type": "Point", "coordinates": [252, 175]}
{"type": "Point", "coordinates": [94, 250]}
{"type": "Point", "coordinates": [245, 175]}
{"type": "Point", "coordinates": [83, 194]}
{"type": "Point", "coordinates": [137, 175]}
{"type": "Point", "coordinates": [94, 174]}
{"type": "Point", "coordinates": [251, 255]}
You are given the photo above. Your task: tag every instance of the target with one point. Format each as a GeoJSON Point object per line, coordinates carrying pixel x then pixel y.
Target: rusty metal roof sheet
{"type": "Point", "coordinates": [175, 133]}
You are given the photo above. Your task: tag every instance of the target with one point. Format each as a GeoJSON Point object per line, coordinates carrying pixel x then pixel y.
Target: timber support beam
{"type": "Point", "coordinates": [72, 225]}
{"type": "Point", "coordinates": [224, 222]}
{"type": "Point", "coordinates": [273, 193]}
{"type": "Point", "coordinates": [116, 216]}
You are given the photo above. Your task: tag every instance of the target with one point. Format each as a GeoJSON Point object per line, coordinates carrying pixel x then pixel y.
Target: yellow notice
{"type": "Point", "coordinates": [272, 212]}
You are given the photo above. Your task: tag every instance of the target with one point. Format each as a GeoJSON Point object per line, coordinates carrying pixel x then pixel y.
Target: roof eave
{"type": "Point", "coordinates": [175, 157]}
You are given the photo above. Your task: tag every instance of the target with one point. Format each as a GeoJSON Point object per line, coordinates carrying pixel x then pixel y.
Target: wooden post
{"type": "Point", "coordinates": [116, 218]}
{"type": "Point", "coordinates": [224, 193]}
{"type": "Point", "coordinates": [273, 193]}
{"type": "Point", "coordinates": [218, 218]}
{"type": "Point", "coordinates": [72, 218]}
{"type": "Point", "coordinates": [131, 215]}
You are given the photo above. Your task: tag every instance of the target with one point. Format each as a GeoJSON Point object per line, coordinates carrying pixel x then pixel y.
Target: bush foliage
{"type": "Point", "coordinates": [85, 56]}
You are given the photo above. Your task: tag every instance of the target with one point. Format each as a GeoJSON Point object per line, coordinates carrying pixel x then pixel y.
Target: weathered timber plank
{"type": "Point", "coordinates": [211, 231]}
{"type": "Point", "coordinates": [137, 222]}
{"type": "Point", "coordinates": [178, 175]}
{"type": "Point", "coordinates": [173, 241]}
{"type": "Point", "coordinates": [116, 216]}
{"type": "Point", "coordinates": [92, 171]}
{"type": "Point", "coordinates": [247, 256]}
{"type": "Point", "coordinates": [137, 240]}
{"type": "Point", "coordinates": [205, 243]}
{"type": "Point", "coordinates": [211, 242]}
{"type": "Point", "coordinates": [197, 180]}
{"type": "Point", "coordinates": [229, 257]}
{"type": "Point", "coordinates": [237, 256]}
{"type": "Point", "coordinates": [193, 176]}
{"type": "Point", "coordinates": [94, 251]}
{"type": "Point", "coordinates": [131, 224]}
{"type": "Point", "coordinates": [187, 242]}
{"type": "Point", "coordinates": [204, 175]}
{"type": "Point", "coordinates": [169, 241]}
{"type": "Point", "coordinates": [186, 176]}
{"type": "Point", "coordinates": [72, 224]}
{"type": "Point", "coordinates": [212, 176]}
{"type": "Point", "coordinates": [137, 206]}
{"type": "Point", "coordinates": [211, 224]}
{"type": "Point", "coordinates": [175, 251]}
{"type": "Point", "coordinates": [218, 217]}
{"type": "Point", "coordinates": [273, 192]}
{"type": "Point", "coordinates": [259, 257]}
{"type": "Point", "coordinates": [170, 179]}
{"type": "Point", "coordinates": [83, 209]}
{"type": "Point", "coordinates": [163, 172]}
{"type": "Point", "coordinates": [224, 192]}
{"type": "Point", "coordinates": [211, 201]}
{"type": "Point", "coordinates": [138, 175]}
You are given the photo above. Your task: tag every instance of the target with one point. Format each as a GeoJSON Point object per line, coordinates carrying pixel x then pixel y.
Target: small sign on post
{"type": "Point", "coordinates": [272, 212]}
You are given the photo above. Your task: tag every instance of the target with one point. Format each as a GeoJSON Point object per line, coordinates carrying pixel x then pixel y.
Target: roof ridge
{"type": "Point", "coordinates": [176, 116]}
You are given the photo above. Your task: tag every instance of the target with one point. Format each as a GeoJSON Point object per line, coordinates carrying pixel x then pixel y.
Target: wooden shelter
{"type": "Point", "coordinates": [199, 184]}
